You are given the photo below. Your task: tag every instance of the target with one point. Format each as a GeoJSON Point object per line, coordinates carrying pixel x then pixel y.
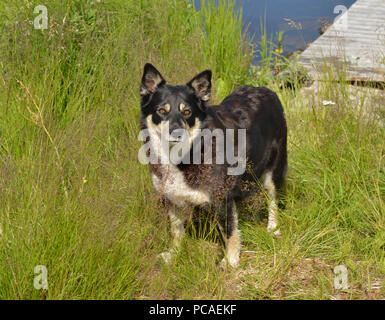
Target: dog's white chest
{"type": "Point", "coordinates": [173, 186]}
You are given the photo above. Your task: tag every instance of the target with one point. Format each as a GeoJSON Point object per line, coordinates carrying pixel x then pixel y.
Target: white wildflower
{"type": "Point", "coordinates": [328, 103]}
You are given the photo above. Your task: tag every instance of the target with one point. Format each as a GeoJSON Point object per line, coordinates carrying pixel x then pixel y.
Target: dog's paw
{"type": "Point", "coordinates": [167, 256]}
{"type": "Point", "coordinates": [234, 263]}
{"type": "Point", "coordinates": [274, 230]}
{"type": "Point", "coordinates": [223, 264]}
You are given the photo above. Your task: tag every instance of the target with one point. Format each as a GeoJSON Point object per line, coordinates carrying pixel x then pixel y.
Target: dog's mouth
{"type": "Point", "coordinates": [175, 140]}
{"type": "Point", "coordinates": [178, 136]}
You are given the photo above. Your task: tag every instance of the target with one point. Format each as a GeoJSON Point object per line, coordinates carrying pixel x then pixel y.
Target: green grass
{"type": "Point", "coordinates": [75, 199]}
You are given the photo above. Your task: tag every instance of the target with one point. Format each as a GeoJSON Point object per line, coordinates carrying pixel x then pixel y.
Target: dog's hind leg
{"type": "Point", "coordinates": [269, 185]}
{"type": "Point", "coordinates": [177, 230]}
{"type": "Point", "coordinates": [228, 225]}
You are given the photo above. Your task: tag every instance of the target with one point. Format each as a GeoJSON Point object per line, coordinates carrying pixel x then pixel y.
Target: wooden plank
{"type": "Point", "coordinates": [355, 44]}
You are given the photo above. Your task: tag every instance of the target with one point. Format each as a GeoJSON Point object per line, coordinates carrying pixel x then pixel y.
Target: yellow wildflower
{"type": "Point", "coordinates": [278, 50]}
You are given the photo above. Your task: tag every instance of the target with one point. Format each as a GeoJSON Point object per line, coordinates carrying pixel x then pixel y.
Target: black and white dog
{"type": "Point", "coordinates": [171, 109]}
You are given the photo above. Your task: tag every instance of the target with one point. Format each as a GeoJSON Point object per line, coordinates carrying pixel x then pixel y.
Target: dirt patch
{"type": "Point", "coordinates": [306, 278]}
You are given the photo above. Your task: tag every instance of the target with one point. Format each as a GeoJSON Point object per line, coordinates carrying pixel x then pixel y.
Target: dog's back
{"type": "Point", "coordinates": [259, 111]}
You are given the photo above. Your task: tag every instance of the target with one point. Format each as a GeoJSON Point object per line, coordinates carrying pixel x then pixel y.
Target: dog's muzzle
{"type": "Point", "coordinates": [177, 136]}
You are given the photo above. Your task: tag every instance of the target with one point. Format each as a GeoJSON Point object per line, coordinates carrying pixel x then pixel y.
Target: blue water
{"type": "Point", "coordinates": [306, 14]}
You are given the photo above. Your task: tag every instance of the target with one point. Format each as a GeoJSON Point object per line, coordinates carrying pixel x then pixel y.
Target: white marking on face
{"type": "Point", "coordinates": [194, 131]}
{"type": "Point", "coordinates": [152, 125]}
{"type": "Point", "coordinates": [162, 127]}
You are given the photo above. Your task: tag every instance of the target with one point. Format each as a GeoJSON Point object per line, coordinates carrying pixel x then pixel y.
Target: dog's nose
{"type": "Point", "coordinates": [176, 133]}
{"type": "Point", "coordinates": [173, 127]}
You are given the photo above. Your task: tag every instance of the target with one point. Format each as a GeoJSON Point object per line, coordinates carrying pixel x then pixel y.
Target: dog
{"type": "Point", "coordinates": [172, 108]}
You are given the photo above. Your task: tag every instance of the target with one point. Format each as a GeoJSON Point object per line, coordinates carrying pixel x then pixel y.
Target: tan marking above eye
{"type": "Point", "coordinates": [164, 109]}
{"type": "Point", "coordinates": [184, 110]}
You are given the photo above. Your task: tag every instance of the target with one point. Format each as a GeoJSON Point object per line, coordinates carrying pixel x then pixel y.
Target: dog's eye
{"type": "Point", "coordinates": [162, 111]}
{"type": "Point", "coordinates": [186, 112]}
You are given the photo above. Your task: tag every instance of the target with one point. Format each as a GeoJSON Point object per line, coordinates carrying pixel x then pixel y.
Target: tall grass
{"type": "Point", "coordinates": [223, 44]}
{"type": "Point", "coordinates": [74, 198]}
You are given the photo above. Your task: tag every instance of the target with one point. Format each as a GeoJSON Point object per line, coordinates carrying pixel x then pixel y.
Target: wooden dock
{"type": "Point", "coordinates": [355, 43]}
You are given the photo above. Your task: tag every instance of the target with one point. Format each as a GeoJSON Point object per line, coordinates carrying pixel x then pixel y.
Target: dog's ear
{"type": "Point", "coordinates": [201, 84]}
{"type": "Point", "coordinates": [151, 80]}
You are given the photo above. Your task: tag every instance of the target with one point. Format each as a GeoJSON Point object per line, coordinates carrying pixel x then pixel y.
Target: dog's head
{"type": "Point", "coordinates": [178, 108]}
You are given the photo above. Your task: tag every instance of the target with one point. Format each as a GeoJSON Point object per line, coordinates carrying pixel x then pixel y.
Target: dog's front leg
{"type": "Point", "coordinates": [228, 224]}
{"type": "Point", "coordinates": [177, 222]}
{"type": "Point", "coordinates": [177, 226]}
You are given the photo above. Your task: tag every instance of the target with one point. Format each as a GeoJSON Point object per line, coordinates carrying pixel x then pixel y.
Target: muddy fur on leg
{"type": "Point", "coordinates": [177, 218]}
{"type": "Point", "coordinates": [228, 225]}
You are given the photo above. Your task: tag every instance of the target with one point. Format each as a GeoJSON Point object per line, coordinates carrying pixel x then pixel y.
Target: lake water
{"type": "Point", "coordinates": [300, 20]}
